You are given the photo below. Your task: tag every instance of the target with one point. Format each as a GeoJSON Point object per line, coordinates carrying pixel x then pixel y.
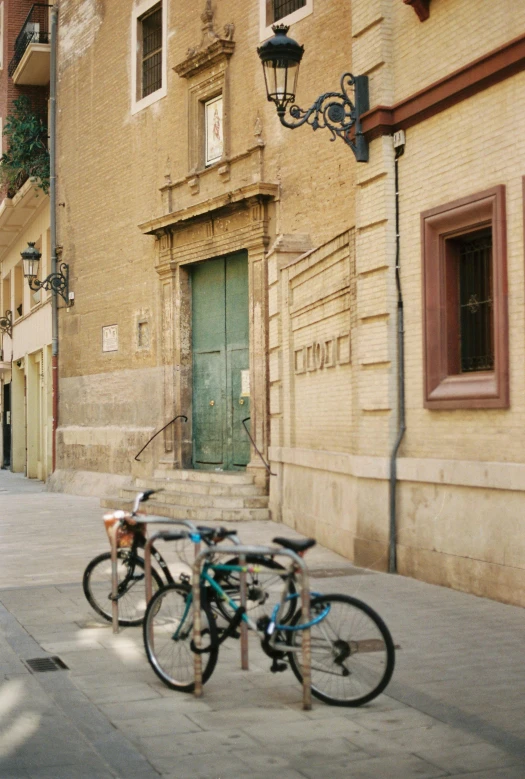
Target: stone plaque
{"type": "Point", "coordinates": [110, 338]}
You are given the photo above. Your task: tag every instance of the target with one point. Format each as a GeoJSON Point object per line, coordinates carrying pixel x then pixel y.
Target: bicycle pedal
{"type": "Point", "coordinates": [277, 667]}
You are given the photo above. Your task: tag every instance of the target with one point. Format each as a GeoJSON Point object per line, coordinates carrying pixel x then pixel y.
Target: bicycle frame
{"type": "Point", "coordinates": [264, 551]}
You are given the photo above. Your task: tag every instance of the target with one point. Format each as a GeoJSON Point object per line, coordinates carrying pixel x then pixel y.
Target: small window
{"type": "Point", "coordinates": [281, 8]}
{"type": "Point", "coordinates": [465, 303]}
{"type": "Point", "coordinates": [149, 44]}
{"type": "Point", "coordinates": [151, 55]}
{"type": "Point", "coordinates": [283, 11]}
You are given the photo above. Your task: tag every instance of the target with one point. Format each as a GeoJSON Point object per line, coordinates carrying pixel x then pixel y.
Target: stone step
{"type": "Point", "coordinates": [173, 484]}
{"type": "Point", "coordinates": [173, 496]}
{"type": "Point", "coordinates": [211, 477]}
{"type": "Point", "coordinates": [196, 514]}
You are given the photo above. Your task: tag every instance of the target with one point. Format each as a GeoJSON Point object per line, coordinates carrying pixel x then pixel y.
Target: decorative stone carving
{"type": "Point", "coordinates": [212, 47]}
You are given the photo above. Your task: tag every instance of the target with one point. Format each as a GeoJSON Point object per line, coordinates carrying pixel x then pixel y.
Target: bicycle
{"type": "Point", "coordinates": [351, 645]}
{"type": "Point", "coordinates": [97, 585]}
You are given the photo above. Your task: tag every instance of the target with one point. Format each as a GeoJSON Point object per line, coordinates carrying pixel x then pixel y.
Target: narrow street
{"type": "Point", "coordinates": [455, 706]}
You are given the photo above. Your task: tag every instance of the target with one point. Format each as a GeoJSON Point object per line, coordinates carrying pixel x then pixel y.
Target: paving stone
{"type": "Point", "coordinates": [468, 758]}
{"type": "Point", "coordinates": [395, 767]}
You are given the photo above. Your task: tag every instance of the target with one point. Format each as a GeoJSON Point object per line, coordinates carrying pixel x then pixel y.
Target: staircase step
{"type": "Point", "coordinates": [173, 484]}
{"type": "Point", "coordinates": [197, 514]}
{"type": "Point", "coordinates": [196, 500]}
{"type": "Point", "coordinates": [212, 477]}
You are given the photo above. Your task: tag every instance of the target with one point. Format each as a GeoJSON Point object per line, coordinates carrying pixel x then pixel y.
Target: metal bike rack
{"type": "Point", "coordinates": [113, 533]}
{"type": "Point", "coordinates": [194, 529]}
{"type": "Point", "coordinates": [268, 551]}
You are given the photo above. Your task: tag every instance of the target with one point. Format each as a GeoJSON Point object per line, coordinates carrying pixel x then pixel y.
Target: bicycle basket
{"type": "Point", "coordinates": [126, 532]}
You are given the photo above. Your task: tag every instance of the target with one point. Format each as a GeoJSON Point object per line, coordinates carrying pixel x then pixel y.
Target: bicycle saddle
{"type": "Point", "coordinates": [297, 545]}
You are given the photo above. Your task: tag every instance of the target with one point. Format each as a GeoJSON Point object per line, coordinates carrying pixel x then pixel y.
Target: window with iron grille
{"type": "Point", "coordinates": [466, 330]}
{"type": "Point", "coordinates": [282, 8]}
{"type": "Point", "coordinates": [151, 27]}
{"type": "Point", "coordinates": [282, 11]}
{"type": "Point", "coordinates": [476, 323]}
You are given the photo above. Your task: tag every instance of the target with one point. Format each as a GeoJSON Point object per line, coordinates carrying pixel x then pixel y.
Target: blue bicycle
{"type": "Point", "coordinates": [353, 653]}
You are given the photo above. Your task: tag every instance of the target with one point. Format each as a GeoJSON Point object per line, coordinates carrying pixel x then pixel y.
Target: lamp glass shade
{"type": "Point", "coordinates": [281, 81]}
{"type": "Point", "coordinates": [31, 258]}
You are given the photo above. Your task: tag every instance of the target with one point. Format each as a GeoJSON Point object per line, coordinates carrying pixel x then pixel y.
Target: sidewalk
{"type": "Point", "coordinates": [455, 707]}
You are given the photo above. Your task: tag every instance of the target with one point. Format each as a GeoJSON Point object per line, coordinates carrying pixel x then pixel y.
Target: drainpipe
{"type": "Point", "coordinates": [392, 557]}
{"type": "Point", "coordinates": [52, 220]}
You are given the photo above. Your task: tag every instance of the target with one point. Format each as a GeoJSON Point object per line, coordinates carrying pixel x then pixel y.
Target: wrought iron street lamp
{"type": "Point", "coordinates": [281, 57]}
{"type": "Point", "coordinates": [57, 282]}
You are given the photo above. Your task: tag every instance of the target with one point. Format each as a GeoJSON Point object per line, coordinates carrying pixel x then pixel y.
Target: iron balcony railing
{"type": "Point", "coordinates": [34, 30]}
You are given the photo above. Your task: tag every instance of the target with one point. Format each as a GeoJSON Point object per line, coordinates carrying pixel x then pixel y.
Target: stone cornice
{"type": "Point", "coordinates": [490, 69]}
{"type": "Point", "coordinates": [217, 52]}
{"type": "Point", "coordinates": [259, 190]}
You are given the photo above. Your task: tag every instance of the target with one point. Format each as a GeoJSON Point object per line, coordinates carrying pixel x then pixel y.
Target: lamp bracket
{"type": "Point", "coordinates": [56, 282]}
{"type": "Point", "coordinates": [337, 112]}
{"type": "Point", "coordinates": [6, 323]}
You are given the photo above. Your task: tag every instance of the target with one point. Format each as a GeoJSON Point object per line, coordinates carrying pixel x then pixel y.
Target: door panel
{"type": "Point", "coordinates": [220, 353]}
{"type": "Point", "coordinates": [208, 412]}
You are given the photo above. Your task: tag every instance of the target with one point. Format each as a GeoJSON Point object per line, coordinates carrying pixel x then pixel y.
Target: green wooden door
{"type": "Point", "coordinates": [220, 359]}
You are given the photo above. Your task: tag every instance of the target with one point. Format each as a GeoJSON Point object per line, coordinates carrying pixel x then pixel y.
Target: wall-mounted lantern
{"type": "Point", "coordinates": [281, 57]}
{"type": "Point", "coordinates": [57, 282]}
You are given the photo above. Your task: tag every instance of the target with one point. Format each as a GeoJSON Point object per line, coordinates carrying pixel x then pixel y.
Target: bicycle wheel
{"type": "Point", "coordinates": [353, 653]}
{"type": "Point", "coordinates": [263, 588]}
{"type": "Point", "coordinates": [168, 632]}
{"type": "Point", "coordinates": [97, 586]}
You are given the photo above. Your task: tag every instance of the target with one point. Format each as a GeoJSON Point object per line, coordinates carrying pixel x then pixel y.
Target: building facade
{"type": "Point", "coordinates": [25, 369]}
{"type": "Point", "coordinates": [229, 269]}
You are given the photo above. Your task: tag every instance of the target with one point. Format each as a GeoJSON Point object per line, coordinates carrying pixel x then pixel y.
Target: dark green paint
{"type": "Point", "coordinates": [220, 353]}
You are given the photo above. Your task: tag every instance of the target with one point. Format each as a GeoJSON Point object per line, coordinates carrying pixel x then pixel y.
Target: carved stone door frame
{"type": "Point", "coordinates": [182, 240]}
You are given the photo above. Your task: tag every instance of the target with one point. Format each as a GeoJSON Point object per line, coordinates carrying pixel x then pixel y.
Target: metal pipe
{"type": "Point", "coordinates": [392, 550]}
{"type": "Point", "coordinates": [52, 223]}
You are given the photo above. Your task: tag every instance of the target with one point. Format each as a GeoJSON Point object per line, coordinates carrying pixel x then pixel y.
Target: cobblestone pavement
{"type": "Point", "coordinates": [455, 707]}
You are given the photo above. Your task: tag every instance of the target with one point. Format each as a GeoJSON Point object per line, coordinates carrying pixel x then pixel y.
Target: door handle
{"type": "Point", "coordinates": [241, 401]}
{"type": "Point", "coordinates": [212, 402]}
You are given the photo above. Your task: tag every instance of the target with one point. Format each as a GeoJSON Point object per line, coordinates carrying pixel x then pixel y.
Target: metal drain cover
{"type": "Point", "coordinates": [40, 664]}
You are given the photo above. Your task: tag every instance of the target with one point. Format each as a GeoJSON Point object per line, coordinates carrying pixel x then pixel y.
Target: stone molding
{"type": "Point", "coordinates": [458, 473]}
{"type": "Point", "coordinates": [476, 76]}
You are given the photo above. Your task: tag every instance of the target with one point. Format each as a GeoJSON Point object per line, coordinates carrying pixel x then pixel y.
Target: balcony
{"type": "Point", "coordinates": [31, 60]}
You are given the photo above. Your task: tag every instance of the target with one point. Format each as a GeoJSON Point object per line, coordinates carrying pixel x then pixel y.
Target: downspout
{"type": "Point", "coordinates": [52, 222]}
{"type": "Point", "coordinates": [392, 554]}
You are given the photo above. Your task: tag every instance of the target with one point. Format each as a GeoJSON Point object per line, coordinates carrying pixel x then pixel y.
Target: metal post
{"type": "Point", "coordinates": [113, 531]}
{"type": "Point", "coordinates": [306, 645]}
{"type": "Point", "coordinates": [244, 626]}
{"type": "Point", "coordinates": [197, 627]}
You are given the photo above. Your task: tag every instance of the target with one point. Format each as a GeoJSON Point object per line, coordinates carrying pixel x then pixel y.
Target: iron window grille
{"type": "Point", "coordinates": [282, 8]}
{"type": "Point", "coordinates": [34, 30]}
{"type": "Point", "coordinates": [151, 26]}
{"type": "Point", "coordinates": [475, 302]}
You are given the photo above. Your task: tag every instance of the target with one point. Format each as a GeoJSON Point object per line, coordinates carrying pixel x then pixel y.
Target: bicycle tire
{"type": "Point", "coordinates": [97, 586]}
{"type": "Point", "coordinates": [259, 590]}
{"type": "Point", "coordinates": [360, 655]}
{"type": "Point", "coordinates": [172, 658]}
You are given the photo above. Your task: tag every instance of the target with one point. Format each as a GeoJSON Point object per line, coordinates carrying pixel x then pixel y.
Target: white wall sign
{"type": "Point", "coordinates": [110, 338]}
{"type": "Point", "coordinates": [245, 384]}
